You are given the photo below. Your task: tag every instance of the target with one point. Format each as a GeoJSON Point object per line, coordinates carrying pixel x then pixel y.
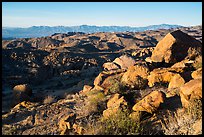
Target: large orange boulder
{"type": "Point", "coordinates": [175, 47]}
{"type": "Point", "coordinates": [112, 83]}
{"type": "Point", "coordinates": [190, 91]}
{"type": "Point", "coordinates": [104, 74]}
{"type": "Point", "coordinates": [150, 103]}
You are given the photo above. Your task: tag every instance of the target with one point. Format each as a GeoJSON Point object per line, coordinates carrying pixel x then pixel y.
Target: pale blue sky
{"type": "Point", "coordinates": [26, 14]}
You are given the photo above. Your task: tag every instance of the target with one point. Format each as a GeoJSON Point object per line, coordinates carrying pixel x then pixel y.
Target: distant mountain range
{"type": "Point", "coordinates": [39, 31]}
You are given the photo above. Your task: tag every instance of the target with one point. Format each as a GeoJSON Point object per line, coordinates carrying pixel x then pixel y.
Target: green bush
{"type": "Point", "coordinates": [120, 124]}
{"type": "Point", "coordinates": [116, 87]}
{"type": "Point", "coordinates": [93, 103]}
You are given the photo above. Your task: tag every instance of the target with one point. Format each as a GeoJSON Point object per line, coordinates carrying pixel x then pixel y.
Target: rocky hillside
{"type": "Point", "coordinates": [131, 83]}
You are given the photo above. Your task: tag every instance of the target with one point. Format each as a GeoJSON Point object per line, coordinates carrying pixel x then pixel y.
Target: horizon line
{"type": "Point", "coordinates": [95, 25]}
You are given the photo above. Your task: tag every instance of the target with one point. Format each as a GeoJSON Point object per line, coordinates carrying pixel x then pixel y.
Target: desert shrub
{"type": "Point", "coordinates": [198, 62]}
{"type": "Point", "coordinates": [116, 87]}
{"type": "Point", "coordinates": [9, 130]}
{"type": "Point", "coordinates": [138, 83]}
{"type": "Point", "coordinates": [179, 123]}
{"type": "Point", "coordinates": [49, 99]}
{"type": "Point", "coordinates": [195, 108]}
{"type": "Point", "coordinates": [95, 97]}
{"type": "Point", "coordinates": [119, 124]}
{"type": "Point", "coordinates": [93, 103]}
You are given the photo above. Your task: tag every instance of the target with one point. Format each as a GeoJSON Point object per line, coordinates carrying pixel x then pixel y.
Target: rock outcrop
{"type": "Point", "coordinates": [71, 94]}
{"type": "Point", "coordinates": [175, 47]}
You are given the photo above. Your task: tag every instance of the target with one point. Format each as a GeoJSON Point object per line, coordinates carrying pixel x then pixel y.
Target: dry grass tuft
{"type": "Point", "coordinates": [183, 122]}
{"type": "Point", "coordinates": [198, 62]}
{"type": "Point", "coordinates": [94, 102]}
{"type": "Point", "coordinates": [49, 99]}
{"type": "Point", "coordinates": [119, 124]}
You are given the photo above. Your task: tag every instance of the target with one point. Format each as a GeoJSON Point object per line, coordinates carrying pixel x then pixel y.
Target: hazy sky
{"type": "Point", "coordinates": [26, 14]}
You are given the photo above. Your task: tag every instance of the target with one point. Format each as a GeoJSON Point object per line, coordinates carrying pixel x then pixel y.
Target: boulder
{"type": "Point", "coordinates": [190, 90]}
{"type": "Point", "coordinates": [110, 66]}
{"type": "Point", "coordinates": [150, 103]}
{"type": "Point", "coordinates": [124, 61]}
{"type": "Point", "coordinates": [136, 76]}
{"type": "Point", "coordinates": [175, 47]}
{"type": "Point", "coordinates": [111, 84]}
{"type": "Point", "coordinates": [21, 93]}
{"type": "Point", "coordinates": [114, 104]}
{"type": "Point", "coordinates": [23, 88]}
{"type": "Point", "coordinates": [197, 73]}
{"type": "Point", "coordinates": [148, 59]}
{"type": "Point", "coordinates": [107, 78]}
{"type": "Point", "coordinates": [176, 82]}
{"type": "Point", "coordinates": [160, 75]}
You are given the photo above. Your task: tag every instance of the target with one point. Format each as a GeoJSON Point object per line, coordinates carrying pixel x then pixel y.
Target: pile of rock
{"type": "Point", "coordinates": [178, 50]}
